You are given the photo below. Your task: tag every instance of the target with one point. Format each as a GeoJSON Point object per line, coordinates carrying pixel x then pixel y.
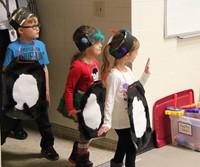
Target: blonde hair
{"type": "Point", "coordinates": [108, 63]}
{"type": "Point", "coordinates": [32, 19]}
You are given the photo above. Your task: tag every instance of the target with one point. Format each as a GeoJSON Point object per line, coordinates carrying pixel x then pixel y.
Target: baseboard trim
{"type": "Point", "coordinates": [73, 134]}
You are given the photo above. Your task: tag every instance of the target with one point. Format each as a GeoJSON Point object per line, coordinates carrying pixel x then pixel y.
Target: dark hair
{"type": "Point", "coordinates": [116, 42]}
{"type": "Point", "coordinates": [79, 34]}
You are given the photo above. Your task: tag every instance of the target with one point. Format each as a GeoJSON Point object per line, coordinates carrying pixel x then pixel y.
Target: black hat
{"type": "Point", "coordinates": [89, 39]}
{"type": "Point", "coordinates": [124, 47]}
{"type": "Point", "coordinates": [19, 16]}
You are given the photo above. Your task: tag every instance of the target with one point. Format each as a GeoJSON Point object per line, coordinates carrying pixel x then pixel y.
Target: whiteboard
{"type": "Point", "coordinates": [182, 18]}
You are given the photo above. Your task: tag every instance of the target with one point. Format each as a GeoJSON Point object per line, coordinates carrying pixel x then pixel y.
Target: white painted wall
{"type": "Point", "coordinates": [175, 63]}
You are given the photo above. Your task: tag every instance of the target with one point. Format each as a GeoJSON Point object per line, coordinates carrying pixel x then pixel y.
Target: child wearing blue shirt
{"type": "Point", "coordinates": [28, 48]}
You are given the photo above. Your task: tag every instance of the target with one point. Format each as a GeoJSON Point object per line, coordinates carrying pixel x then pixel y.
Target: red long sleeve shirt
{"type": "Point", "coordinates": [80, 77]}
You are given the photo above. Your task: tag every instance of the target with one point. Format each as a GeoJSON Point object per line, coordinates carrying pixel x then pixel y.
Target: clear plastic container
{"type": "Point", "coordinates": [185, 131]}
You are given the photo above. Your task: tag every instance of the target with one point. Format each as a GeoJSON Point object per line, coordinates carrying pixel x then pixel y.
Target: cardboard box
{"type": "Point", "coordinates": [185, 131]}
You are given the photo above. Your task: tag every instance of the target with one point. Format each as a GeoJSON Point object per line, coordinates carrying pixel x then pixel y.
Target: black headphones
{"type": "Point", "coordinates": [83, 43]}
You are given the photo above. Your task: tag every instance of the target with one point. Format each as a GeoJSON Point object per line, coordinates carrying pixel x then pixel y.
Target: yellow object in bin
{"type": "Point", "coordinates": [174, 111]}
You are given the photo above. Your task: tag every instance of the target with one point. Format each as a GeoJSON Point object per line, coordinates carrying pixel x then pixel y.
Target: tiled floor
{"type": "Point", "coordinates": [26, 153]}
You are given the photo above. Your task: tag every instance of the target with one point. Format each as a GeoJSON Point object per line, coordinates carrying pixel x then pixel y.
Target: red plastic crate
{"type": "Point", "coordinates": [161, 122]}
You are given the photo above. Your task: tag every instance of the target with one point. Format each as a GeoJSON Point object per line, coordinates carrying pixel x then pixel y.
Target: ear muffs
{"type": "Point", "coordinates": [84, 40]}
{"type": "Point", "coordinates": [83, 43]}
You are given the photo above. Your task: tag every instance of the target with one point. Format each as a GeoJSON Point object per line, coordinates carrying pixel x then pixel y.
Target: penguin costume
{"type": "Point", "coordinates": [89, 100]}
{"type": "Point", "coordinates": [90, 118]}
{"type": "Point", "coordinates": [24, 86]}
{"type": "Point", "coordinates": [138, 112]}
{"type": "Point", "coordinates": [24, 90]}
{"type": "Point", "coordinates": [139, 115]}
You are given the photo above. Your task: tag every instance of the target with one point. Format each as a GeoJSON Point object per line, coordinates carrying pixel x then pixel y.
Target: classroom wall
{"type": "Point", "coordinates": [175, 63]}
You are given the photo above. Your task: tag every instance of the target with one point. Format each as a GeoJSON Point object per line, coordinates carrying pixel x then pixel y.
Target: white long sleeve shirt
{"type": "Point", "coordinates": [115, 112]}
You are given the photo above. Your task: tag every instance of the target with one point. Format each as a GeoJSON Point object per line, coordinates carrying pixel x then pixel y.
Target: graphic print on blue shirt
{"type": "Point", "coordinates": [26, 51]}
{"type": "Point", "coordinates": [29, 53]}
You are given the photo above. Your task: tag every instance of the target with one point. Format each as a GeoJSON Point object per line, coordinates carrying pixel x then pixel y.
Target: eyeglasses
{"type": "Point", "coordinates": [33, 26]}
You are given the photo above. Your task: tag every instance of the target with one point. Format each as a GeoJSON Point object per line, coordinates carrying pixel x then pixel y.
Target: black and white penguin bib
{"type": "Point", "coordinates": [24, 89]}
{"type": "Point", "coordinates": [139, 115]}
{"type": "Point", "coordinates": [90, 118]}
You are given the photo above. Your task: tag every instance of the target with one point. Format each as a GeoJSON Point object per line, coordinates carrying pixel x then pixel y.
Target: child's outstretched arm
{"type": "Point", "coordinates": [111, 89]}
{"type": "Point", "coordinates": [103, 129]}
{"type": "Point", "coordinates": [143, 79]}
{"type": "Point", "coordinates": [147, 66]}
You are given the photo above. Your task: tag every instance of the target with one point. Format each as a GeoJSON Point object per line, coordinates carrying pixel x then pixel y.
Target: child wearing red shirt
{"type": "Point", "coordinates": [82, 73]}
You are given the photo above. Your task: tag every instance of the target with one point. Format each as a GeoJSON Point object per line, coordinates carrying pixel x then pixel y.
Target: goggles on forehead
{"type": "Point", "coordinates": [95, 37]}
{"type": "Point", "coordinates": [124, 47]}
{"type": "Point", "coordinates": [89, 39]}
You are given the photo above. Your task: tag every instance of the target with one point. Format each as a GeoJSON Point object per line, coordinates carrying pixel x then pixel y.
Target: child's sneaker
{"type": "Point", "coordinates": [50, 153]}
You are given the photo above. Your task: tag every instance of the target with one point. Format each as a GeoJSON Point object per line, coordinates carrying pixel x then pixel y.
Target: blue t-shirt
{"type": "Point", "coordinates": [27, 51]}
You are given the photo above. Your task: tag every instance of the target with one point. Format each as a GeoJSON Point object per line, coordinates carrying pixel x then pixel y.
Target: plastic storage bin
{"type": "Point", "coordinates": [185, 131]}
